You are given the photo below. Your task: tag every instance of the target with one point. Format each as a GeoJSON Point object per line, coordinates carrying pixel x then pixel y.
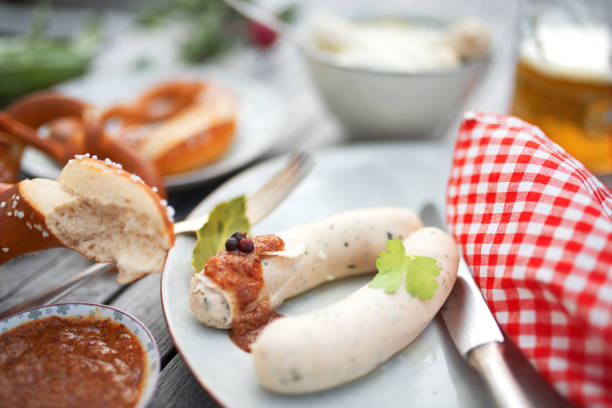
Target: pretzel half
{"type": "Point", "coordinates": [95, 208]}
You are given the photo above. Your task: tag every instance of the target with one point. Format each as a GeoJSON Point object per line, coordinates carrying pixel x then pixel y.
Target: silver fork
{"type": "Point", "coordinates": [263, 201]}
{"type": "Point", "coordinates": [258, 205]}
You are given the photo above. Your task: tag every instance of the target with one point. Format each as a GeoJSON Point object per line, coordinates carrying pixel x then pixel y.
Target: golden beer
{"type": "Point", "coordinates": [573, 106]}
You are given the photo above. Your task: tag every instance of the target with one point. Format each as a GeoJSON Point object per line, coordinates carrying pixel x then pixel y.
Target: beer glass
{"type": "Point", "coordinates": [563, 81]}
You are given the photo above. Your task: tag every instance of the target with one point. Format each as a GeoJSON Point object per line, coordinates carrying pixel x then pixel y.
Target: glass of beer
{"type": "Point", "coordinates": [563, 81]}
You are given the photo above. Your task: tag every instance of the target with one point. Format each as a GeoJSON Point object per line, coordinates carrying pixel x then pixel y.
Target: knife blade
{"type": "Point", "coordinates": [475, 331]}
{"type": "Point", "coordinates": [465, 312]}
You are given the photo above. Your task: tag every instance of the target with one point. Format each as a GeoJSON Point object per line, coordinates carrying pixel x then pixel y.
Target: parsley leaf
{"type": "Point", "coordinates": [225, 219]}
{"type": "Point", "coordinates": [420, 278]}
{"type": "Point", "coordinates": [420, 271]}
{"type": "Point", "coordinates": [391, 267]}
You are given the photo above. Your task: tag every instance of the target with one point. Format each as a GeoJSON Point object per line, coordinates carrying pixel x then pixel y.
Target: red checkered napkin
{"type": "Point", "coordinates": [536, 228]}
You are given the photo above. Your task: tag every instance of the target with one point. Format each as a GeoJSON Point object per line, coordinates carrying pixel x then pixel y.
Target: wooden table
{"type": "Point", "coordinates": [312, 128]}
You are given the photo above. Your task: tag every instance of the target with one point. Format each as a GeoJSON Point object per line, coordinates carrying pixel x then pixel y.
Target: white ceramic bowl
{"type": "Point", "coordinates": [377, 104]}
{"type": "Point", "coordinates": [103, 312]}
{"type": "Point", "coordinates": [373, 103]}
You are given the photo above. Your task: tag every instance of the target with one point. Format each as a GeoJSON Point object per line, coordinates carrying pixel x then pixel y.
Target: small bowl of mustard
{"type": "Point", "coordinates": [75, 355]}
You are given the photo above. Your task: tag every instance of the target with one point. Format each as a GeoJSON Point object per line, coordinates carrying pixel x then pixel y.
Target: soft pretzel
{"type": "Point", "coordinates": [94, 207]}
{"type": "Point", "coordinates": [63, 127]}
{"type": "Point", "coordinates": [179, 125]}
{"type": "Point", "coordinates": [10, 154]}
{"type": "Point", "coordinates": [10, 149]}
{"type": "Point", "coordinates": [158, 103]}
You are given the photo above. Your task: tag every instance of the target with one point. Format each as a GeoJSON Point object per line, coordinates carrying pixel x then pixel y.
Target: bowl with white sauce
{"type": "Point", "coordinates": [395, 77]}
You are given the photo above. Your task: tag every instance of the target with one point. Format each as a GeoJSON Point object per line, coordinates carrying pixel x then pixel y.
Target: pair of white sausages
{"type": "Point", "coordinates": [350, 338]}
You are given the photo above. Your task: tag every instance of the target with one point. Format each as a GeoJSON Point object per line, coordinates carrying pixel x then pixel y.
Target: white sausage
{"type": "Point", "coordinates": [350, 338]}
{"type": "Point", "coordinates": [341, 245]}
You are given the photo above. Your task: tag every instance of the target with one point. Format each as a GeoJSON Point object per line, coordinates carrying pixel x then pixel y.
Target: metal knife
{"type": "Point", "coordinates": [474, 330]}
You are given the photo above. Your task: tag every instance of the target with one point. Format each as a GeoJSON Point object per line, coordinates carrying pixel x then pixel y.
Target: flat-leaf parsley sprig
{"type": "Point", "coordinates": [393, 264]}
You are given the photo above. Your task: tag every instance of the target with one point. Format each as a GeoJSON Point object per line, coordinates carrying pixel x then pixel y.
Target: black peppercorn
{"type": "Point", "coordinates": [231, 244]}
{"type": "Point", "coordinates": [246, 245]}
{"type": "Point", "coordinates": [238, 236]}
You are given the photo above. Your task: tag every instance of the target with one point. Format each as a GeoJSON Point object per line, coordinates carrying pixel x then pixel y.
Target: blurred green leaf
{"type": "Point", "coordinates": [289, 13]}
{"type": "Point", "coordinates": [86, 42]}
{"type": "Point", "coordinates": [34, 61]}
{"type": "Point", "coordinates": [141, 64]}
{"type": "Point", "coordinates": [40, 19]}
{"type": "Point", "coordinates": [206, 38]}
{"type": "Point", "coordinates": [213, 27]}
{"type": "Point", "coordinates": [155, 15]}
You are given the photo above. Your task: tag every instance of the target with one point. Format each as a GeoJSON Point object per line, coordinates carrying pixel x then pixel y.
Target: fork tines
{"type": "Point", "coordinates": [261, 202]}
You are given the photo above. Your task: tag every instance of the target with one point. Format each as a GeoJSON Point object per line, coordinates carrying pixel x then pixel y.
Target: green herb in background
{"type": "Point", "coordinates": [289, 13]}
{"type": "Point", "coordinates": [208, 36]}
{"type": "Point", "coordinates": [213, 27]}
{"type": "Point", "coordinates": [34, 61]}
{"type": "Point", "coordinates": [140, 64]}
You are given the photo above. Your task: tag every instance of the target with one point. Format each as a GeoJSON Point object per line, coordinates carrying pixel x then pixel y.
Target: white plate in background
{"type": "Point", "coordinates": [261, 119]}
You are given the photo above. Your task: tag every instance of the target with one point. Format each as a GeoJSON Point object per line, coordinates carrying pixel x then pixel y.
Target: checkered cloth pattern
{"type": "Point", "coordinates": [536, 228]}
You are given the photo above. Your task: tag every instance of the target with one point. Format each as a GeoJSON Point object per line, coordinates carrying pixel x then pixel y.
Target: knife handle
{"type": "Point", "coordinates": [488, 359]}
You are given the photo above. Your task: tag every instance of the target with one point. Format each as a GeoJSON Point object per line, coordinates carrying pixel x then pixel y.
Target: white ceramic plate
{"type": "Point", "coordinates": [261, 118]}
{"type": "Point", "coordinates": [428, 373]}
{"type": "Point", "coordinates": [102, 312]}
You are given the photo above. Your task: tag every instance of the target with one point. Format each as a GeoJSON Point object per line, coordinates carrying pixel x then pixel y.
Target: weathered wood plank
{"type": "Point", "coordinates": [18, 272]}
{"type": "Point", "coordinates": [142, 299]}
{"type": "Point", "coordinates": [31, 275]}
{"type": "Point", "coordinates": [178, 388]}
